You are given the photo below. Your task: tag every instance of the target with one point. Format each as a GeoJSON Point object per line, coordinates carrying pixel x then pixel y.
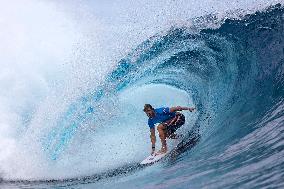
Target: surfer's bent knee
{"type": "Point", "coordinates": [161, 127]}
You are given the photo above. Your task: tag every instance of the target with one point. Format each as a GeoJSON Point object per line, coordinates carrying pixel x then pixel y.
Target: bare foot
{"type": "Point", "coordinates": [162, 151]}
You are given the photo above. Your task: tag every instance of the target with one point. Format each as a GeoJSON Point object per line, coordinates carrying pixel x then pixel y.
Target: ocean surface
{"type": "Point", "coordinates": [72, 117]}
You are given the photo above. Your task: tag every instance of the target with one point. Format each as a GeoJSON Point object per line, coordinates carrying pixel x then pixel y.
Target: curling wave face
{"type": "Point", "coordinates": [233, 75]}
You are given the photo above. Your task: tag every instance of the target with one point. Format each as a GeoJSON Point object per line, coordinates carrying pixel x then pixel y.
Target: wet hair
{"type": "Point", "coordinates": [147, 106]}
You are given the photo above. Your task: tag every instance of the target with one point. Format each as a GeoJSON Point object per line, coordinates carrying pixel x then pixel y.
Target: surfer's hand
{"type": "Point", "coordinates": [191, 109]}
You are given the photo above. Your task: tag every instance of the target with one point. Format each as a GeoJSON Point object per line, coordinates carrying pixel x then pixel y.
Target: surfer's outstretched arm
{"type": "Point", "coordinates": [153, 139]}
{"type": "Point", "coordinates": [179, 108]}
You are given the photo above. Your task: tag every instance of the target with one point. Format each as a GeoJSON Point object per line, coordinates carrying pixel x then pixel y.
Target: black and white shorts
{"type": "Point", "coordinates": [173, 124]}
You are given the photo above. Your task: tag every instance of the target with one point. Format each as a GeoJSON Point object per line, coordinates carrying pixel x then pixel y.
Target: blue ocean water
{"type": "Point", "coordinates": [233, 75]}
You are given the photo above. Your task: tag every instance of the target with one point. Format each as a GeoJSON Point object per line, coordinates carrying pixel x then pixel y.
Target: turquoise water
{"type": "Point", "coordinates": [233, 74]}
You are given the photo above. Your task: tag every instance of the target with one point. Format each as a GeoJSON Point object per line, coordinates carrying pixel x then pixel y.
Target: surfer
{"type": "Point", "coordinates": [169, 120]}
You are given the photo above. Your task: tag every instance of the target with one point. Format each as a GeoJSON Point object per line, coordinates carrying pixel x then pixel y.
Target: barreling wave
{"type": "Point", "coordinates": [234, 76]}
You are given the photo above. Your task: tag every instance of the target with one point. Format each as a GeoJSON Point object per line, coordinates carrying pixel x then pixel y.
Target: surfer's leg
{"type": "Point", "coordinates": [162, 134]}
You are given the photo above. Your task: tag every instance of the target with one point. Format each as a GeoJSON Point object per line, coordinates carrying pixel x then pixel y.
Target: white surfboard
{"type": "Point", "coordinates": [153, 158]}
{"type": "Point", "coordinates": [156, 156]}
